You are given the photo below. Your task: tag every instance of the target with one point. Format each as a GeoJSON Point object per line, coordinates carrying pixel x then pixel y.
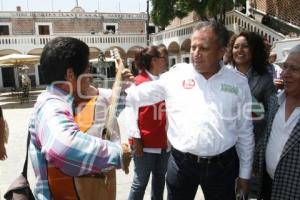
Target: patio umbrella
{"type": "Point", "coordinates": [18, 59]}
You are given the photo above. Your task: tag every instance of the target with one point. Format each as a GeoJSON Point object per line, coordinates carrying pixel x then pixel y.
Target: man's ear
{"type": "Point", "coordinates": [222, 51]}
{"type": "Point", "coordinates": [70, 76]}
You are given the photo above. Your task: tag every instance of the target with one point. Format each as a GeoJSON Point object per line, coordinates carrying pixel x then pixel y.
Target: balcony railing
{"type": "Point", "coordinates": [184, 30]}
{"type": "Point", "coordinates": [25, 43]}
{"type": "Point", "coordinates": [237, 21]}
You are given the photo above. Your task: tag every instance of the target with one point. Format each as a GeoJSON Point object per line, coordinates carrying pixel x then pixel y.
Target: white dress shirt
{"type": "Point", "coordinates": [280, 133]}
{"type": "Point", "coordinates": [205, 117]}
{"type": "Point", "coordinates": [278, 71]}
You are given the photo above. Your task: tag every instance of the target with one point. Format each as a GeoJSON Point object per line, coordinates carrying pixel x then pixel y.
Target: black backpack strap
{"type": "Point", "coordinates": [24, 172]}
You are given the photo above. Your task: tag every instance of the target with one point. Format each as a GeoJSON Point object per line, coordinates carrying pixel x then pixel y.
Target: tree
{"type": "Point", "coordinates": [164, 11]}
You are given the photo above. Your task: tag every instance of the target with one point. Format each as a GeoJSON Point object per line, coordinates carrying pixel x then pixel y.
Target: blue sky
{"type": "Point", "coordinates": [67, 5]}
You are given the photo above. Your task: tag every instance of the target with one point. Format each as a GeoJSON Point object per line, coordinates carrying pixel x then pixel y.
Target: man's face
{"type": "Point", "coordinates": [206, 51]}
{"type": "Point", "coordinates": [79, 84]}
{"type": "Point", "coordinates": [291, 74]}
{"type": "Point", "coordinates": [84, 81]}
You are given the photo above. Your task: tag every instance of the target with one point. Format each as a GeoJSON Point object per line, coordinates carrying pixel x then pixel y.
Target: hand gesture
{"type": "Point", "coordinates": [127, 78]}
{"type": "Point", "coordinates": [242, 189]}
{"type": "Point", "coordinates": [279, 83]}
{"type": "Point", "coordinates": [126, 157]}
{"type": "Point", "coordinates": [138, 147]}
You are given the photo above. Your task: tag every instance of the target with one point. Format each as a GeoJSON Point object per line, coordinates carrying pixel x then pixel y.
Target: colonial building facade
{"type": "Point", "coordinates": [28, 32]}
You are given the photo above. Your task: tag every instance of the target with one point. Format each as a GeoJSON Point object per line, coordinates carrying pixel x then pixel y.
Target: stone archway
{"type": "Point", "coordinates": [131, 51]}
{"type": "Point", "coordinates": [186, 46]}
{"type": "Point", "coordinates": [174, 53]}
{"type": "Point", "coordinates": [174, 48]}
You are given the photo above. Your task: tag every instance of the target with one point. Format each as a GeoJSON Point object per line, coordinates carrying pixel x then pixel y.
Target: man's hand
{"type": "Point", "coordinates": [243, 185]}
{"type": "Point", "coordinates": [126, 157]}
{"type": "Point", "coordinates": [127, 78]}
{"type": "Point", "coordinates": [3, 155]}
{"type": "Point", "coordinates": [278, 83]}
{"type": "Point", "coordinates": [138, 147]}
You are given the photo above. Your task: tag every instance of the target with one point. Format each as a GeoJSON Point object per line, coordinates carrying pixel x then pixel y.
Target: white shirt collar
{"type": "Point", "coordinates": [152, 77]}
{"type": "Point", "coordinates": [281, 97]}
{"type": "Point", "coordinates": [248, 73]}
{"type": "Point", "coordinates": [219, 72]}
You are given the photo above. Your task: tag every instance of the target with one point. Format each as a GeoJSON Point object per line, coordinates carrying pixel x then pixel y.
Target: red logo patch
{"type": "Point", "coordinates": [188, 84]}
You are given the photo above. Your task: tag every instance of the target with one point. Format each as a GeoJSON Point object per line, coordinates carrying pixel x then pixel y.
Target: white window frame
{"type": "Point", "coordinates": [151, 24]}
{"type": "Point", "coordinates": [9, 26]}
{"type": "Point", "coordinates": [170, 59]}
{"type": "Point", "coordinates": [186, 56]}
{"type": "Point", "coordinates": [37, 24]}
{"type": "Point", "coordinates": [111, 24]}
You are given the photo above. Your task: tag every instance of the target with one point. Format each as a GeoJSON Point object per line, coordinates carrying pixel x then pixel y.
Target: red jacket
{"type": "Point", "coordinates": [152, 120]}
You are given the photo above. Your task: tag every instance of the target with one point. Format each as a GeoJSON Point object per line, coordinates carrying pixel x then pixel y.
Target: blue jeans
{"type": "Point", "coordinates": [144, 165]}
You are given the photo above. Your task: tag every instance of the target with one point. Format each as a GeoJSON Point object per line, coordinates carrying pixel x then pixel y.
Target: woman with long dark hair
{"type": "Point", "coordinates": [249, 55]}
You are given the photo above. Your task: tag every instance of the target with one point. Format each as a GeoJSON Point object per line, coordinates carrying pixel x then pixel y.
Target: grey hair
{"type": "Point", "coordinates": [295, 49]}
{"type": "Point", "coordinates": [219, 29]}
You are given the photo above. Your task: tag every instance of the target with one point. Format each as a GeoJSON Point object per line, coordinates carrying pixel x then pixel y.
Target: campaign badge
{"type": "Point", "coordinates": [188, 83]}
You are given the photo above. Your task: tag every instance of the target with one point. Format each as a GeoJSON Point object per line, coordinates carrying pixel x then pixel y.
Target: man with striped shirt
{"type": "Point", "coordinates": [56, 140]}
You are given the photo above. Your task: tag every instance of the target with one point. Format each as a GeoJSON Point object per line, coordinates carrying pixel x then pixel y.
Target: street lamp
{"type": "Point", "coordinates": [147, 23]}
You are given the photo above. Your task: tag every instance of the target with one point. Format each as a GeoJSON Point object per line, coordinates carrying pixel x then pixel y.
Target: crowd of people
{"type": "Point", "coordinates": [229, 122]}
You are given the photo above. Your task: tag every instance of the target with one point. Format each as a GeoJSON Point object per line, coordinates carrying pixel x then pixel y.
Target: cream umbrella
{"type": "Point", "coordinates": [18, 59]}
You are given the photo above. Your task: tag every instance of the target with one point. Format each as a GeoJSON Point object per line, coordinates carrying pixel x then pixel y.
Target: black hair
{"type": "Point", "coordinates": [60, 54]}
{"type": "Point", "coordinates": [259, 50]}
{"type": "Point", "coordinates": [143, 57]}
{"type": "Point", "coordinates": [162, 50]}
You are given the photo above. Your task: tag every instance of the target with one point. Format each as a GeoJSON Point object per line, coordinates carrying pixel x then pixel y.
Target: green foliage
{"type": "Point", "coordinates": [164, 11]}
{"type": "Point", "coordinates": [218, 8]}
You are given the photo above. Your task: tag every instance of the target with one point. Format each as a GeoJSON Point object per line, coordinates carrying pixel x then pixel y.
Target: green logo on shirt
{"type": "Point", "coordinates": [229, 88]}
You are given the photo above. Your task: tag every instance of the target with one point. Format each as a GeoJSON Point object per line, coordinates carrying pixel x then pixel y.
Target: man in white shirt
{"type": "Point", "coordinates": [209, 119]}
{"type": "Point", "coordinates": [275, 71]}
{"type": "Point", "coordinates": [278, 158]}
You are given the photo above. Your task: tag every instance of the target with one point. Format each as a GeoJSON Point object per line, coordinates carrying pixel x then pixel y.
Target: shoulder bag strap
{"type": "Point", "coordinates": [24, 172]}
